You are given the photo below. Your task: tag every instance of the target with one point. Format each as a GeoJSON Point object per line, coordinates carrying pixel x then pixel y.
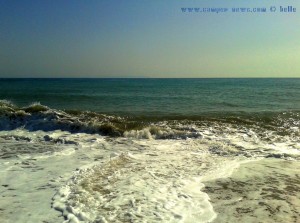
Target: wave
{"type": "Point", "coordinates": [36, 117]}
{"type": "Point", "coordinates": [39, 117]}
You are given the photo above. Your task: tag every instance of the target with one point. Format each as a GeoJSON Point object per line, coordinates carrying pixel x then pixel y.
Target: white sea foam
{"type": "Point", "coordinates": [163, 183]}
{"type": "Point", "coordinates": [149, 175]}
{"type": "Point", "coordinates": [126, 189]}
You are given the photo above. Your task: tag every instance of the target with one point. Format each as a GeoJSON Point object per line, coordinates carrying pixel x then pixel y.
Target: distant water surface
{"type": "Point", "coordinates": [157, 97]}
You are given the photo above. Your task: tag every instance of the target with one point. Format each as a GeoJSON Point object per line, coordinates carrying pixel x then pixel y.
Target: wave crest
{"type": "Point", "coordinates": [40, 117]}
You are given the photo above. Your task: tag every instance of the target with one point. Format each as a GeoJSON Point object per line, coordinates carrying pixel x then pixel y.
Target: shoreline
{"type": "Point", "coordinates": [177, 177]}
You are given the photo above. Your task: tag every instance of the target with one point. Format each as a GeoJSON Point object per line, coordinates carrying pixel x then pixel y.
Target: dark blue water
{"type": "Point", "coordinates": [155, 97]}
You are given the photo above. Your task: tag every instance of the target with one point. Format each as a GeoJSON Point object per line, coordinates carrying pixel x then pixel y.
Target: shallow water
{"type": "Point", "coordinates": [92, 178]}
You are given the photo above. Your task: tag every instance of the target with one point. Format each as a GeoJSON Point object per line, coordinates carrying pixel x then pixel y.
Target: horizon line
{"type": "Point", "coordinates": [149, 77]}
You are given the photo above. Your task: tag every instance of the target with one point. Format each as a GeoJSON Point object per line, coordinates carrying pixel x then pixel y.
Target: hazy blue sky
{"type": "Point", "coordinates": [153, 38]}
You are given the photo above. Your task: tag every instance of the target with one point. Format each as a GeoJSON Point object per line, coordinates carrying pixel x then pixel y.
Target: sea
{"type": "Point", "coordinates": [149, 150]}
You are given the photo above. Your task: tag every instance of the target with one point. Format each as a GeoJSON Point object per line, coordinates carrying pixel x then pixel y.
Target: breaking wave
{"type": "Point", "coordinates": [34, 117]}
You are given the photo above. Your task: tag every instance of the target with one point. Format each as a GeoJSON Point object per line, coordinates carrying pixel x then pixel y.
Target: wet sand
{"type": "Point", "coordinates": [265, 191]}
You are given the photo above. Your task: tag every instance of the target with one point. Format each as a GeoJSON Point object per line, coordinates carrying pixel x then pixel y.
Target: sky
{"type": "Point", "coordinates": [153, 38]}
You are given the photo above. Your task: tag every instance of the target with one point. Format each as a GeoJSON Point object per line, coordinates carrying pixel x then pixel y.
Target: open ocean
{"type": "Point", "coordinates": [149, 150]}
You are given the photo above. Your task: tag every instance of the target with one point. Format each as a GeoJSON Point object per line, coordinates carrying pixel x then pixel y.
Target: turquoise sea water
{"type": "Point", "coordinates": [157, 97]}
